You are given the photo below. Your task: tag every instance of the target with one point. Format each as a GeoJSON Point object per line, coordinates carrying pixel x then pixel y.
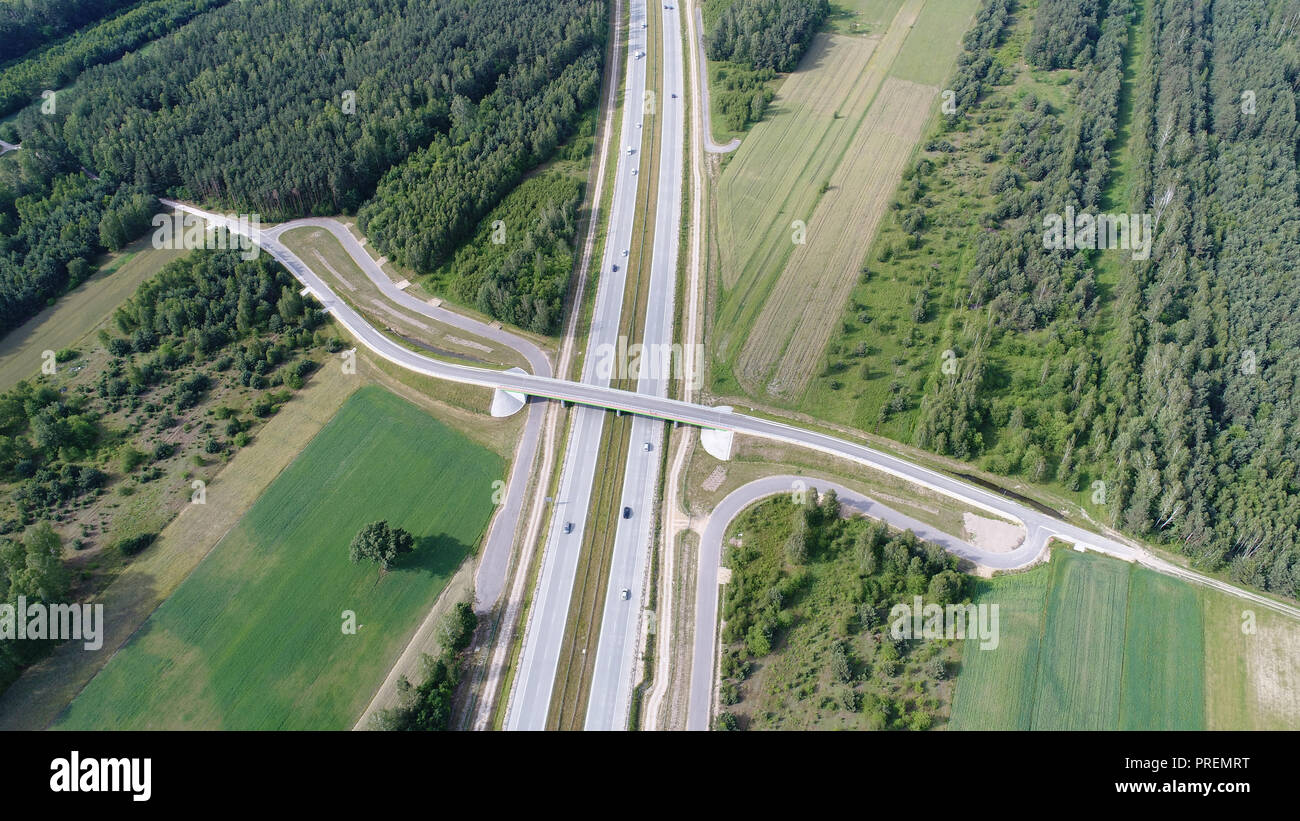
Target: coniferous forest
{"type": "Point", "coordinates": [286, 108]}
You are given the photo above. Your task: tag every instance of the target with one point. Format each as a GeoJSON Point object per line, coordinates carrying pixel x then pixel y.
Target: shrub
{"type": "Point", "coordinates": [132, 545]}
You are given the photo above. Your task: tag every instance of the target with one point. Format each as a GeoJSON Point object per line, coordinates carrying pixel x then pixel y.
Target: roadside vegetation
{"type": "Point", "coordinates": [747, 43]}
{"type": "Point", "coordinates": [517, 264]}
{"type": "Point", "coordinates": [428, 707]}
{"type": "Point", "coordinates": [450, 124]}
{"type": "Point", "coordinates": [806, 640]}
{"type": "Point", "coordinates": [1156, 393]}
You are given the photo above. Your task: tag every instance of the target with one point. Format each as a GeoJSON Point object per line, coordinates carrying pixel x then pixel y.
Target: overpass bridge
{"type": "Point", "coordinates": [1040, 527]}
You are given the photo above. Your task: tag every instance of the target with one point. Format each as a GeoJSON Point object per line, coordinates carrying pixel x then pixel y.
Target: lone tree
{"type": "Point", "coordinates": [380, 543]}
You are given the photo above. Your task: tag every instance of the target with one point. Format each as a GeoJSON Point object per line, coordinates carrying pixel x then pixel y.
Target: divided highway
{"type": "Point", "coordinates": [530, 701]}
{"type": "Point", "coordinates": [618, 649]}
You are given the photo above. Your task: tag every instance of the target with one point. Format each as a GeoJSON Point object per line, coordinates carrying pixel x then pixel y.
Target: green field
{"type": "Point", "coordinates": [252, 639]}
{"type": "Point", "coordinates": [1162, 690]}
{"type": "Point", "coordinates": [1082, 654]}
{"type": "Point", "coordinates": [841, 130]}
{"type": "Point", "coordinates": [1090, 642]}
{"type": "Point", "coordinates": [995, 689]}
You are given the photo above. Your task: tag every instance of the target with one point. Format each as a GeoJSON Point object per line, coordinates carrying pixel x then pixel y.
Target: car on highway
{"type": "Point", "coordinates": [674, 95]}
{"type": "Point", "coordinates": [626, 594]}
{"type": "Point", "coordinates": [614, 268]}
{"type": "Point", "coordinates": [648, 446]}
{"type": "Point", "coordinates": [624, 252]}
{"type": "Point", "coordinates": [568, 527]}
{"type": "Point", "coordinates": [629, 149]}
{"type": "Point", "coordinates": [627, 513]}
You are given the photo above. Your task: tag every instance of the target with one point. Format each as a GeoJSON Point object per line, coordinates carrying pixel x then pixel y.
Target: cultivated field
{"type": "Point", "coordinates": [1082, 653]}
{"type": "Point", "coordinates": [996, 687]}
{"type": "Point", "coordinates": [1252, 679]}
{"type": "Point", "coordinates": [1163, 686]}
{"type": "Point", "coordinates": [1089, 642]}
{"type": "Point", "coordinates": [252, 639]}
{"type": "Point", "coordinates": [793, 328]}
{"type": "Point", "coordinates": [830, 155]}
{"type": "Point", "coordinates": [769, 183]}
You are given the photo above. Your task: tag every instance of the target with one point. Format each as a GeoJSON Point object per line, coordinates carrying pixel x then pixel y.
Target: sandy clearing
{"type": "Point", "coordinates": [1274, 673]}
{"type": "Point", "coordinates": [993, 535]}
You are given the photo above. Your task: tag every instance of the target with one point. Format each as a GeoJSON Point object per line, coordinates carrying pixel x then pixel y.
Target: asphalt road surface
{"type": "Point", "coordinates": [494, 563]}
{"type": "Point", "coordinates": [1039, 526]}
{"type": "Point", "coordinates": [530, 701]}
{"type": "Point", "coordinates": [614, 675]}
{"type": "Point", "coordinates": [700, 710]}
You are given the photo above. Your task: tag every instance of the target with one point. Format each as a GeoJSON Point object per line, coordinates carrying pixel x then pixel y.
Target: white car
{"type": "Point", "coordinates": [648, 447]}
{"type": "Point", "coordinates": [626, 594]}
{"type": "Point", "coordinates": [624, 252]}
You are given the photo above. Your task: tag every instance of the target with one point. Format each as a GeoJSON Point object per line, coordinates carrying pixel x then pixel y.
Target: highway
{"type": "Point", "coordinates": [618, 650]}
{"type": "Point", "coordinates": [530, 701]}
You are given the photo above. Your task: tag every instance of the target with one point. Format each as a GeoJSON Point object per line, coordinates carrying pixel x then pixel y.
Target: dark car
{"type": "Point", "coordinates": [627, 513]}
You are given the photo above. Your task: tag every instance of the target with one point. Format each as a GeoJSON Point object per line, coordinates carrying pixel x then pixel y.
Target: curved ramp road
{"type": "Point", "coordinates": [700, 710]}
{"type": "Point", "coordinates": [494, 564]}
{"type": "Point", "coordinates": [697, 38]}
{"type": "Point", "coordinates": [541, 364]}
{"type": "Point", "coordinates": [490, 576]}
{"type": "Point", "coordinates": [1039, 527]}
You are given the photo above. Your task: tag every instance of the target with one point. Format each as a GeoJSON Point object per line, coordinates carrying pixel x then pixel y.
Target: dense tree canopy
{"type": "Point", "coordinates": [762, 34]}
{"type": "Point", "coordinates": [1169, 395]}
{"type": "Point", "coordinates": [54, 67]}
{"type": "Point", "coordinates": [33, 23]}
{"type": "Point", "coordinates": [285, 108]}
